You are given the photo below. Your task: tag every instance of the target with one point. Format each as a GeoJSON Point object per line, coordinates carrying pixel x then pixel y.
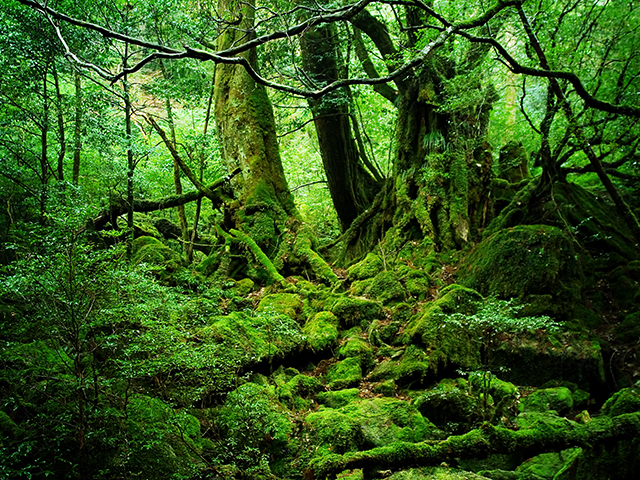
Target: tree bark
{"type": "Point", "coordinates": [351, 187]}
{"type": "Point", "coordinates": [247, 133]}
{"type": "Point", "coordinates": [77, 133]}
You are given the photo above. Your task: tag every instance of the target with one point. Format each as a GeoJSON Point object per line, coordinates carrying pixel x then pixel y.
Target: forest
{"type": "Point", "coordinates": [320, 239]}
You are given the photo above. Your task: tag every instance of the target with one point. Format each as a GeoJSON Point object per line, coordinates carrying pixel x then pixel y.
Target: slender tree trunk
{"type": "Point", "coordinates": [77, 133]}
{"type": "Point", "coordinates": [44, 155]}
{"type": "Point", "coordinates": [130, 157]}
{"type": "Point", "coordinates": [61, 133]}
{"type": "Point", "coordinates": [246, 129]}
{"type": "Point", "coordinates": [351, 187]}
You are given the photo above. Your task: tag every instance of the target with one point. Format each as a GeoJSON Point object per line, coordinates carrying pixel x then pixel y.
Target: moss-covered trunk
{"type": "Point", "coordinates": [352, 188]}
{"type": "Point", "coordinates": [246, 129]}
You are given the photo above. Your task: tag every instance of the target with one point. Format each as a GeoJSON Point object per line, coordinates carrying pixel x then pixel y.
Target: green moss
{"type": "Point", "coordinates": [547, 465]}
{"type": "Point", "coordinates": [368, 423]}
{"type": "Point", "coordinates": [629, 330]}
{"type": "Point", "coordinates": [417, 283]}
{"type": "Point", "coordinates": [292, 391]}
{"type": "Point", "coordinates": [152, 251]}
{"type": "Point", "coordinates": [354, 345]}
{"type": "Point", "coordinates": [288, 304]}
{"type": "Point", "coordinates": [367, 268]}
{"type": "Point", "coordinates": [558, 399]}
{"type": "Point", "coordinates": [338, 398]}
{"type": "Point", "coordinates": [626, 400]}
{"type": "Point", "coordinates": [405, 367]}
{"type": "Point", "coordinates": [344, 374]}
{"type": "Point", "coordinates": [386, 288]}
{"type": "Point", "coordinates": [386, 388]}
{"type": "Point", "coordinates": [523, 260]}
{"type": "Point", "coordinates": [243, 287]}
{"type": "Point", "coordinates": [435, 473]}
{"type": "Point", "coordinates": [352, 311]}
{"type": "Point", "coordinates": [452, 405]}
{"type": "Point", "coordinates": [447, 345]}
{"type": "Point", "coordinates": [321, 331]}
{"type": "Point", "coordinates": [253, 339]}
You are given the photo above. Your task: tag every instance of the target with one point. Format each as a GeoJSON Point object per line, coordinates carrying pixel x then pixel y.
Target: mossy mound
{"type": "Point", "coordinates": [447, 345]}
{"type": "Point", "coordinates": [355, 345]}
{"type": "Point", "coordinates": [367, 268]}
{"type": "Point", "coordinates": [368, 423]}
{"type": "Point", "coordinates": [254, 339]}
{"type": "Point", "coordinates": [626, 400]}
{"type": "Point", "coordinates": [152, 251]}
{"type": "Point", "coordinates": [408, 366]}
{"type": "Point", "coordinates": [453, 405]}
{"type": "Point", "coordinates": [558, 399]}
{"type": "Point", "coordinates": [354, 311]}
{"type": "Point", "coordinates": [386, 288]}
{"type": "Point", "coordinates": [535, 359]}
{"type": "Point", "coordinates": [524, 260]}
{"type": "Point", "coordinates": [344, 374]}
{"type": "Point", "coordinates": [288, 304]}
{"type": "Point", "coordinates": [321, 331]}
{"type": "Point", "coordinates": [435, 473]}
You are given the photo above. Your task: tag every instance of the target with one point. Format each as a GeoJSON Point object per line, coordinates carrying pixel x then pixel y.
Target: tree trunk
{"type": "Point", "coordinates": [351, 187]}
{"type": "Point", "coordinates": [246, 129]}
{"type": "Point", "coordinates": [77, 133]}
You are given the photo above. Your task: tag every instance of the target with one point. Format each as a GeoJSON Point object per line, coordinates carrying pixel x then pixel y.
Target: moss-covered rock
{"type": "Point", "coordinates": [524, 260]}
{"type": "Point", "coordinates": [386, 288]}
{"type": "Point", "coordinates": [547, 465]}
{"type": "Point", "coordinates": [629, 330]}
{"type": "Point", "coordinates": [416, 282]}
{"type": "Point", "coordinates": [353, 311]}
{"type": "Point", "coordinates": [344, 374]}
{"type": "Point", "coordinates": [408, 366]}
{"type": "Point", "coordinates": [288, 304]}
{"type": "Point", "coordinates": [250, 340]}
{"type": "Point", "coordinates": [321, 331]}
{"type": "Point", "coordinates": [626, 400]}
{"type": "Point", "coordinates": [435, 473]}
{"type": "Point", "coordinates": [368, 423]}
{"type": "Point", "coordinates": [243, 287]}
{"type": "Point", "coordinates": [338, 398]}
{"type": "Point", "coordinates": [355, 345]}
{"type": "Point", "coordinates": [558, 399]}
{"type": "Point", "coordinates": [367, 268]}
{"type": "Point", "coordinates": [152, 251]}
{"type": "Point", "coordinates": [447, 345]}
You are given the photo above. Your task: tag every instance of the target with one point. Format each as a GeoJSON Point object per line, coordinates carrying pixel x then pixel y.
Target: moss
{"type": "Point", "coordinates": [321, 331]}
{"type": "Point", "coordinates": [338, 398]}
{"type": "Point", "coordinates": [435, 473]}
{"type": "Point", "coordinates": [243, 287]}
{"type": "Point", "coordinates": [304, 248]}
{"type": "Point", "coordinates": [253, 339]}
{"type": "Point", "coordinates": [368, 423]}
{"type": "Point", "coordinates": [524, 260]}
{"type": "Point", "coordinates": [386, 288]}
{"type": "Point", "coordinates": [629, 330]}
{"type": "Point", "coordinates": [355, 346]}
{"type": "Point", "coordinates": [452, 405]}
{"type": "Point", "coordinates": [353, 311]}
{"type": "Point", "coordinates": [409, 366]}
{"type": "Point", "coordinates": [292, 391]}
{"type": "Point", "coordinates": [152, 251]}
{"type": "Point", "coordinates": [558, 399]}
{"type": "Point", "coordinates": [143, 226]}
{"type": "Point", "coordinates": [288, 304]}
{"type": "Point", "coordinates": [547, 465]}
{"type": "Point", "coordinates": [535, 359]}
{"type": "Point", "coordinates": [626, 400]}
{"type": "Point", "coordinates": [344, 374]}
{"type": "Point", "coordinates": [386, 388]}
{"type": "Point", "coordinates": [367, 268]}
{"type": "Point", "coordinates": [447, 345]}
{"type": "Point", "coordinates": [259, 255]}
{"type": "Point", "coordinates": [417, 283]}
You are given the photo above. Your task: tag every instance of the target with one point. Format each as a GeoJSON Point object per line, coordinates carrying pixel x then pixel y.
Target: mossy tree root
{"type": "Point", "coordinates": [544, 436]}
{"type": "Point", "coordinates": [259, 255]}
{"type": "Point", "coordinates": [304, 248]}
